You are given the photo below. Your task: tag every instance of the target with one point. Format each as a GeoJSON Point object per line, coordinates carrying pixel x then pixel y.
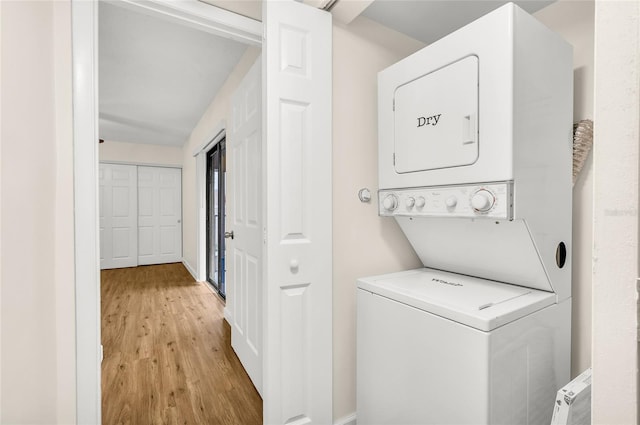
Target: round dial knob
{"type": "Point", "coordinates": [420, 202]}
{"type": "Point", "coordinates": [482, 200]}
{"type": "Point", "coordinates": [451, 201]}
{"type": "Point", "coordinates": [410, 202]}
{"type": "Point", "coordinates": [390, 203]}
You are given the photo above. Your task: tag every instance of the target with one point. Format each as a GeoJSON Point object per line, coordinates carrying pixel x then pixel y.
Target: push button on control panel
{"type": "Point", "coordinates": [451, 202]}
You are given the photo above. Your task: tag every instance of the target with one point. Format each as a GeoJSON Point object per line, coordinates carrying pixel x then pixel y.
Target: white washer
{"type": "Point", "coordinates": [442, 348]}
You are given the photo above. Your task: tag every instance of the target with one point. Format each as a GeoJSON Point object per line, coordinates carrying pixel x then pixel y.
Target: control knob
{"type": "Point", "coordinates": [390, 203]}
{"type": "Point", "coordinates": [482, 200]}
{"type": "Point", "coordinates": [420, 202]}
{"type": "Point", "coordinates": [410, 202]}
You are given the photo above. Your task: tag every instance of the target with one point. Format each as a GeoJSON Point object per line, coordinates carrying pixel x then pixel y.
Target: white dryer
{"type": "Point", "coordinates": [475, 166]}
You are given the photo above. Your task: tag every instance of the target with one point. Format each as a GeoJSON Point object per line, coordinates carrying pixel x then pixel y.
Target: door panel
{"type": "Point", "coordinates": [145, 240]}
{"type": "Point", "coordinates": [160, 215]}
{"type": "Point", "coordinates": [145, 201]}
{"type": "Point", "coordinates": [244, 195]}
{"type": "Point", "coordinates": [121, 248]}
{"type": "Point", "coordinates": [297, 158]}
{"type": "Point", "coordinates": [167, 240]}
{"type": "Point", "coordinates": [118, 216]}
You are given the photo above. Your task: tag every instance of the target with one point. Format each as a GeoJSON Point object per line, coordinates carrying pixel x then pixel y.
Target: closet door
{"type": "Point", "coordinates": [159, 215]}
{"type": "Point", "coordinates": [118, 216]}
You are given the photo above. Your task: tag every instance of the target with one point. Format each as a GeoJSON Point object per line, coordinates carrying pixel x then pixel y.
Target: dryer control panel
{"type": "Point", "coordinates": [491, 200]}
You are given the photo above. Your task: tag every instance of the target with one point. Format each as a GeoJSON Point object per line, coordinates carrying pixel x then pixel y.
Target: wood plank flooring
{"type": "Point", "coordinates": [167, 352]}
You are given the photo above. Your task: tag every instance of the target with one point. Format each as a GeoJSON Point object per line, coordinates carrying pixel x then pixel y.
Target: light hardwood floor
{"type": "Point", "coordinates": [167, 352]}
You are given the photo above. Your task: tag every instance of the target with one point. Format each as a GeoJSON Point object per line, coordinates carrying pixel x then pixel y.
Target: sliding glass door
{"type": "Point", "coordinates": [216, 169]}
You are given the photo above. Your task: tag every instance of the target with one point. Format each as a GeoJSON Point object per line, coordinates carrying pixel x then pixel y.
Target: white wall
{"type": "Point", "coordinates": [219, 110]}
{"type": "Point", "coordinates": [615, 268]}
{"type": "Point", "coordinates": [363, 243]}
{"type": "Point", "coordinates": [36, 280]}
{"type": "Point", "coordinates": [139, 153]}
{"type": "Point", "coordinates": [574, 20]}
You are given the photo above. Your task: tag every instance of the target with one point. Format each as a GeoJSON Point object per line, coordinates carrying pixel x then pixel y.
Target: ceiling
{"type": "Point", "coordinates": [156, 78]}
{"type": "Point", "coordinates": [430, 20]}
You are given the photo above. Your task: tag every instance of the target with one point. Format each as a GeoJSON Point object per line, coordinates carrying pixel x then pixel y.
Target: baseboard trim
{"type": "Point", "coordinates": [347, 420]}
{"type": "Point", "coordinates": [189, 269]}
{"type": "Point", "coordinates": [227, 315]}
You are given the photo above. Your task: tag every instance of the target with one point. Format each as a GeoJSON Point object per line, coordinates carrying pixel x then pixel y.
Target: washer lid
{"type": "Point", "coordinates": [479, 303]}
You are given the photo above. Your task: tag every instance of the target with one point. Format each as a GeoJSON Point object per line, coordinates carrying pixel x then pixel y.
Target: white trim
{"type": "Point", "coordinates": [318, 4]}
{"type": "Point", "coordinates": [346, 11]}
{"type": "Point", "coordinates": [141, 164]}
{"type": "Point", "coordinates": [218, 133]}
{"type": "Point", "coordinates": [84, 15]}
{"type": "Point", "coordinates": [215, 135]}
{"type": "Point", "coordinates": [187, 266]}
{"type": "Point", "coordinates": [227, 315]}
{"type": "Point", "coordinates": [201, 217]}
{"type": "Point", "coordinates": [64, 272]}
{"type": "Point", "coordinates": [0, 218]}
{"type": "Point", "coordinates": [201, 16]}
{"type": "Point", "coordinates": [347, 420]}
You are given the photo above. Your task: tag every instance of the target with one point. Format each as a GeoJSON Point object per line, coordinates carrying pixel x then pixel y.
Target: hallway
{"type": "Point", "coordinates": [167, 352]}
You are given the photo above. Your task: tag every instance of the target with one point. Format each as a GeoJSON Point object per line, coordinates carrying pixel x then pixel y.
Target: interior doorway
{"type": "Point", "coordinates": [297, 106]}
{"type": "Point", "coordinates": [216, 217]}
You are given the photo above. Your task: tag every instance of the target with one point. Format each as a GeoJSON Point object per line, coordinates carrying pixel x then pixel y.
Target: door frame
{"type": "Point", "coordinates": [219, 149]}
{"type": "Point", "coordinates": [84, 23]}
{"type": "Point", "coordinates": [200, 154]}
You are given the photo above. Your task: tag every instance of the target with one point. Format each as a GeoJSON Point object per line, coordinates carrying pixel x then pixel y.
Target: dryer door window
{"type": "Point", "coordinates": [436, 119]}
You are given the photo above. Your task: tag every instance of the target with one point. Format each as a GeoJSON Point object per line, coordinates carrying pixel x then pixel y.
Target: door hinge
{"type": "Point", "coordinates": [394, 159]}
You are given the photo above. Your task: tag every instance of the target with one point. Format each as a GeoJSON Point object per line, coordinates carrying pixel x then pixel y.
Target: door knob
{"type": "Point", "coordinates": [228, 235]}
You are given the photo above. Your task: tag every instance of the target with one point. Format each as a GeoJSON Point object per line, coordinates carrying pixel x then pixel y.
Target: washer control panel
{"type": "Point", "coordinates": [491, 200]}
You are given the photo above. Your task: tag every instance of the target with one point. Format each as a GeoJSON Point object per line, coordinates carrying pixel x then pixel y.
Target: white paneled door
{"type": "Point", "coordinates": [159, 215]}
{"type": "Point", "coordinates": [140, 215]}
{"type": "Point", "coordinates": [297, 168]}
{"type": "Point", "coordinates": [118, 216]}
{"type": "Point", "coordinates": [244, 219]}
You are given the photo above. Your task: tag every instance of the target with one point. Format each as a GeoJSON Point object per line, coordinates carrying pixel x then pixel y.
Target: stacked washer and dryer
{"type": "Point", "coordinates": [475, 153]}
